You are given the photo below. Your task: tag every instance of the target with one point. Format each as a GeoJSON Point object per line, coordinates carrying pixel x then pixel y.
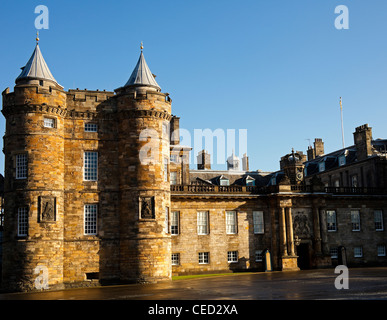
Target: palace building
{"type": "Point", "coordinates": [98, 189]}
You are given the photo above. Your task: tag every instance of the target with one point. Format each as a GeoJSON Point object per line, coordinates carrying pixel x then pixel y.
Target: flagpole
{"type": "Point", "coordinates": [342, 125]}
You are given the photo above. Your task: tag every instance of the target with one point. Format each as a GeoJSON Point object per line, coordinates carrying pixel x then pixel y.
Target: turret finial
{"type": "Point", "coordinates": [37, 37]}
{"type": "Point", "coordinates": [142, 47]}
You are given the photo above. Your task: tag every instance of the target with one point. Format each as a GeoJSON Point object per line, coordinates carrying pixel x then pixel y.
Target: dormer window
{"type": "Point", "coordinates": [224, 181]}
{"type": "Point", "coordinates": [321, 167]}
{"type": "Point", "coordinates": [342, 160]}
{"type": "Point", "coordinates": [250, 181]}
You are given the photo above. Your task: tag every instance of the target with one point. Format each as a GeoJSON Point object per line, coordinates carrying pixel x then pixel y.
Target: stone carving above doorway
{"type": "Point", "coordinates": [301, 225]}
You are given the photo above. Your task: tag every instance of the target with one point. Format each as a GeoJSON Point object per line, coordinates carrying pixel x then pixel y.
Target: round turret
{"type": "Point", "coordinates": [34, 179]}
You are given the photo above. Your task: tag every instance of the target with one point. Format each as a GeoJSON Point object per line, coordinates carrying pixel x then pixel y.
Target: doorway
{"type": "Point", "coordinates": [303, 256]}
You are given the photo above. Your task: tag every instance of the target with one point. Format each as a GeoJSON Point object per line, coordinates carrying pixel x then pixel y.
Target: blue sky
{"type": "Point", "coordinates": [275, 68]}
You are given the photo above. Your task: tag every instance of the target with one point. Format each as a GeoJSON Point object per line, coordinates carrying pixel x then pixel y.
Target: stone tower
{"type": "Point", "coordinates": [34, 178]}
{"type": "Point", "coordinates": [144, 115]}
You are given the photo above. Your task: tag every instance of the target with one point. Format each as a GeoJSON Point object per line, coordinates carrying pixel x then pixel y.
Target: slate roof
{"type": "Point", "coordinates": [36, 68]}
{"type": "Point", "coordinates": [142, 75]}
{"type": "Point", "coordinates": [212, 177]}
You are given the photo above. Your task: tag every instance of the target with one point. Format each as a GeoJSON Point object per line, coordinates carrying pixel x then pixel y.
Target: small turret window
{"type": "Point", "coordinates": [22, 222]}
{"type": "Point", "coordinates": [21, 166]}
{"type": "Point", "coordinates": [49, 123]}
{"type": "Point", "coordinates": [91, 127]}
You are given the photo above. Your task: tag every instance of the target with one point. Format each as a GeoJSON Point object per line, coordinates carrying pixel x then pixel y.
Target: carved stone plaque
{"type": "Point", "coordinates": [301, 225]}
{"type": "Point", "coordinates": [147, 208]}
{"type": "Point", "coordinates": [47, 209]}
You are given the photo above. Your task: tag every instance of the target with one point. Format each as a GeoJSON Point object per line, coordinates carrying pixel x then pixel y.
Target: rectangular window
{"type": "Point", "coordinates": [204, 257]}
{"type": "Point", "coordinates": [334, 252]}
{"type": "Point", "coordinates": [232, 256]}
{"type": "Point", "coordinates": [173, 158]}
{"type": "Point", "coordinates": [175, 259]}
{"type": "Point", "coordinates": [354, 183]}
{"type": "Point", "coordinates": [378, 220]}
{"type": "Point", "coordinates": [231, 222]}
{"type": "Point", "coordinates": [90, 219]}
{"type": "Point", "coordinates": [342, 161]}
{"type": "Point", "coordinates": [258, 255]}
{"type": "Point", "coordinates": [355, 220]}
{"type": "Point", "coordinates": [91, 127]}
{"type": "Point", "coordinates": [258, 222]}
{"type": "Point", "coordinates": [321, 166]}
{"type": "Point", "coordinates": [21, 166]}
{"type": "Point", "coordinates": [381, 250]}
{"type": "Point", "coordinates": [90, 166]}
{"type": "Point", "coordinates": [165, 169]}
{"type": "Point", "coordinates": [175, 223]}
{"type": "Point", "coordinates": [173, 177]}
{"type": "Point", "coordinates": [49, 123]}
{"type": "Point", "coordinates": [202, 222]}
{"type": "Point", "coordinates": [22, 222]}
{"type": "Point", "coordinates": [331, 220]}
{"type": "Point", "coordinates": [358, 252]}
{"type": "Point", "coordinates": [166, 223]}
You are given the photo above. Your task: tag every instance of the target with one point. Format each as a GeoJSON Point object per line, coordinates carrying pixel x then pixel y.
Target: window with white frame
{"type": "Point", "coordinates": [381, 250]}
{"type": "Point", "coordinates": [175, 259]}
{"type": "Point", "coordinates": [331, 220]}
{"type": "Point", "coordinates": [231, 222]}
{"type": "Point", "coordinates": [355, 220]}
{"type": "Point", "coordinates": [232, 256]}
{"type": "Point", "coordinates": [378, 216]}
{"type": "Point", "coordinates": [21, 166]}
{"type": "Point", "coordinates": [334, 252]}
{"type": "Point", "coordinates": [165, 169]}
{"type": "Point", "coordinates": [175, 223]}
{"type": "Point", "coordinates": [321, 166]}
{"type": "Point", "coordinates": [258, 222]}
{"type": "Point", "coordinates": [22, 221]}
{"type": "Point", "coordinates": [358, 252]}
{"type": "Point", "coordinates": [91, 127]}
{"type": "Point", "coordinates": [173, 177]}
{"type": "Point", "coordinates": [166, 221]}
{"type": "Point", "coordinates": [90, 219]}
{"type": "Point", "coordinates": [202, 222]}
{"type": "Point", "coordinates": [174, 158]}
{"type": "Point", "coordinates": [90, 166]}
{"type": "Point", "coordinates": [49, 123]}
{"type": "Point", "coordinates": [258, 255]}
{"type": "Point", "coordinates": [204, 257]}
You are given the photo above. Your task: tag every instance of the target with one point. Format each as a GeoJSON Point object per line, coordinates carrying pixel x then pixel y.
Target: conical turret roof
{"type": "Point", "coordinates": [142, 75]}
{"type": "Point", "coordinates": [36, 68]}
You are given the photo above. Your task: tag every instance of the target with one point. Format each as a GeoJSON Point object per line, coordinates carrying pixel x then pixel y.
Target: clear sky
{"type": "Point", "coordinates": [276, 68]}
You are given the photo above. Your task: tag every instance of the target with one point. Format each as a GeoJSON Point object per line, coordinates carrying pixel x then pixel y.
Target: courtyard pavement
{"type": "Point", "coordinates": [232, 296]}
{"type": "Point", "coordinates": [362, 283]}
